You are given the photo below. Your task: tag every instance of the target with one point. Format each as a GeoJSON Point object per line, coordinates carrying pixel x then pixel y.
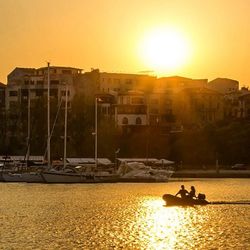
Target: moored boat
{"type": "Point", "coordinates": [64, 177]}
{"type": "Point", "coordinates": [172, 200]}
{"type": "Point", "coordinates": [139, 172]}
{"type": "Point", "coordinates": [80, 174]}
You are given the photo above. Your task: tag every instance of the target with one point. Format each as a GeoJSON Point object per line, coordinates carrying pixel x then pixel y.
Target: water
{"type": "Point", "coordinates": [122, 216]}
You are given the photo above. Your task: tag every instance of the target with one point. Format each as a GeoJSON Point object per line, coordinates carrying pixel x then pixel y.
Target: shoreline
{"type": "Point", "coordinates": [211, 174]}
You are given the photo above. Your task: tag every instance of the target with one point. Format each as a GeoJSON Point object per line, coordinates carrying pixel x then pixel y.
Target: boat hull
{"type": "Point", "coordinates": [172, 200]}
{"type": "Point", "coordinates": [12, 177]}
{"type": "Point", "coordinates": [32, 177]}
{"type": "Point", "coordinates": [142, 179]}
{"type": "Point", "coordinates": [23, 177]}
{"type": "Point", "coordinates": [52, 177]}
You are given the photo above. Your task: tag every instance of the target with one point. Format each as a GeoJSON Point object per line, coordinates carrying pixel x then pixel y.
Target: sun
{"type": "Point", "coordinates": [164, 50]}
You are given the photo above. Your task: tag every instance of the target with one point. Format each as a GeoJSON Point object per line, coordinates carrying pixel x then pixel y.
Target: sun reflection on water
{"type": "Point", "coordinates": [165, 227]}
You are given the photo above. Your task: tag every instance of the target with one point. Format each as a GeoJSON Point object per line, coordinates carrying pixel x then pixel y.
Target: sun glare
{"type": "Point", "coordinates": [164, 50]}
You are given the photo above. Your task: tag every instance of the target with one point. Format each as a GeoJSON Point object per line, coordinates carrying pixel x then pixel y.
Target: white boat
{"type": "Point", "coordinates": [82, 175]}
{"type": "Point", "coordinates": [139, 172]}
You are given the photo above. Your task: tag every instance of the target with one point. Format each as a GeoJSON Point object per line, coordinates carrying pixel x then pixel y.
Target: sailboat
{"type": "Point", "coordinates": [78, 173]}
{"type": "Point", "coordinates": [33, 171]}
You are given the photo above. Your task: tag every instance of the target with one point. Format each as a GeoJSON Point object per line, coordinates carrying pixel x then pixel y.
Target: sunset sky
{"type": "Point", "coordinates": [204, 39]}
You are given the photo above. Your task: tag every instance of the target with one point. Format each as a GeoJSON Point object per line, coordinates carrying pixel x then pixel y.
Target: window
{"type": "Point", "coordinates": [39, 82]}
{"type": "Point", "coordinates": [13, 93]}
{"type": "Point", "coordinates": [66, 71]}
{"type": "Point", "coordinates": [154, 111]}
{"type": "Point", "coordinates": [121, 99]}
{"type": "Point", "coordinates": [138, 121]}
{"type": "Point", "coordinates": [24, 92]}
{"type": "Point", "coordinates": [128, 81]}
{"type": "Point", "coordinates": [137, 100]}
{"type": "Point", "coordinates": [39, 92]}
{"type": "Point", "coordinates": [127, 100]}
{"type": "Point", "coordinates": [54, 82]}
{"type": "Point", "coordinates": [125, 121]}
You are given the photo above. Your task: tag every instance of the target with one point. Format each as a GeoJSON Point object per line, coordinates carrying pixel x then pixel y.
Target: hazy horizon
{"type": "Point", "coordinates": [117, 36]}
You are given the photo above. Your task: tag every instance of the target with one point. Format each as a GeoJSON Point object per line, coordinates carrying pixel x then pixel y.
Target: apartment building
{"type": "Point", "coordinates": [160, 108]}
{"type": "Point", "coordinates": [244, 106]}
{"type": "Point", "coordinates": [131, 109]}
{"type": "Point", "coordinates": [175, 84]}
{"type": "Point", "coordinates": [198, 106]}
{"type": "Point", "coordinates": [2, 95]}
{"type": "Point", "coordinates": [120, 82]}
{"type": "Point", "coordinates": [224, 85]}
{"type": "Point", "coordinates": [22, 81]}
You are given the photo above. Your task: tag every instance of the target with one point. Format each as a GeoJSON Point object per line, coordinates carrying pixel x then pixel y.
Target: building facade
{"type": "Point", "coordinates": [224, 85]}
{"type": "Point", "coordinates": [196, 107]}
{"type": "Point", "coordinates": [22, 81]}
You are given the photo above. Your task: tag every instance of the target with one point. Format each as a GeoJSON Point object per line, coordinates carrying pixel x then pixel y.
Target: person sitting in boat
{"type": "Point", "coordinates": [192, 193]}
{"type": "Point", "coordinates": [183, 192]}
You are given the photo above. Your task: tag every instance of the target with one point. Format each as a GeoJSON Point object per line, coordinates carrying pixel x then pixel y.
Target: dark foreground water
{"type": "Point", "coordinates": [122, 216]}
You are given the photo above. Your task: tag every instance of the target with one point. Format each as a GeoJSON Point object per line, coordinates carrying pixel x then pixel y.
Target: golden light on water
{"type": "Point", "coordinates": [165, 227]}
{"type": "Point", "coordinates": [164, 50]}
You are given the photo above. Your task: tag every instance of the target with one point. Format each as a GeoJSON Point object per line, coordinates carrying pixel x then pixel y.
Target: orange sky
{"type": "Point", "coordinates": [106, 34]}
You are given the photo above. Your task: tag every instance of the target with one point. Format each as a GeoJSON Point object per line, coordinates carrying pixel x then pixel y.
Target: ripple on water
{"type": "Point", "coordinates": [120, 216]}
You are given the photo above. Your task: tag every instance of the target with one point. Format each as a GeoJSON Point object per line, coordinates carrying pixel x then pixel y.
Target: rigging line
{"type": "Point", "coordinates": [54, 124]}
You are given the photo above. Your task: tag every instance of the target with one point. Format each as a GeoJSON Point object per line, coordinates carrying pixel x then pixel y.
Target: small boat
{"type": "Point", "coordinates": [172, 200]}
{"type": "Point", "coordinates": [139, 172]}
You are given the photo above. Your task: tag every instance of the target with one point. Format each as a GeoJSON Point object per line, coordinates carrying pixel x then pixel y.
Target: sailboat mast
{"type": "Point", "coordinates": [48, 104]}
{"type": "Point", "coordinates": [28, 127]}
{"type": "Point", "coordinates": [96, 102]}
{"type": "Point", "coordinates": [65, 126]}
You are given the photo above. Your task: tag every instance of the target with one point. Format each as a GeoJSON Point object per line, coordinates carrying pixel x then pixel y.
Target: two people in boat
{"type": "Point", "coordinates": [185, 194]}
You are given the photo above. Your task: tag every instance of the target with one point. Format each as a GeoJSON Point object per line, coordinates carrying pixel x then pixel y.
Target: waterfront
{"type": "Point", "coordinates": [123, 216]}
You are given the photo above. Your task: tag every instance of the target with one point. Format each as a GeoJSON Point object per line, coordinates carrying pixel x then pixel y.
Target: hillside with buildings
{"type": "Point", "coordinates": [182, 119]}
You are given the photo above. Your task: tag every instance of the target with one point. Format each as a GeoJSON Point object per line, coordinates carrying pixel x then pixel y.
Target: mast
{"type": "Point", "coordinates": [48, 103]}
{"type": "Point", "coordinates": [96, 102]}
{"type": "Point", "coordinates": [28, 127]}
{"type": "Point", "coordinates": [65, 126]}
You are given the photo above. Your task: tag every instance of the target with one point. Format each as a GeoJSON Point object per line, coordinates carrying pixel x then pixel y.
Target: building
{"type": "Point", "coordinates": [22, 81]}
{"type": "Point", "coordinates": [2, 96]}
{"type": "Point", "coordinates": [160, 108]}
{"type": "Point", "coordinates": [176, 84]}
{"type": "Point", "coordinates": [131, 109]}
{"type": "Point", "coordinates": [120, 82]}
{"type": "Point", "coordinates": [244, 106]}
{"type": "Point", "coordinates": [224, 85]}
{"type": "Point", "coordinates": [196, 107]}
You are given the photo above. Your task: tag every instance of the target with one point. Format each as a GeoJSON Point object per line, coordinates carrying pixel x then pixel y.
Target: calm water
{"type": "Point", "coordinates": [122, 216]}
